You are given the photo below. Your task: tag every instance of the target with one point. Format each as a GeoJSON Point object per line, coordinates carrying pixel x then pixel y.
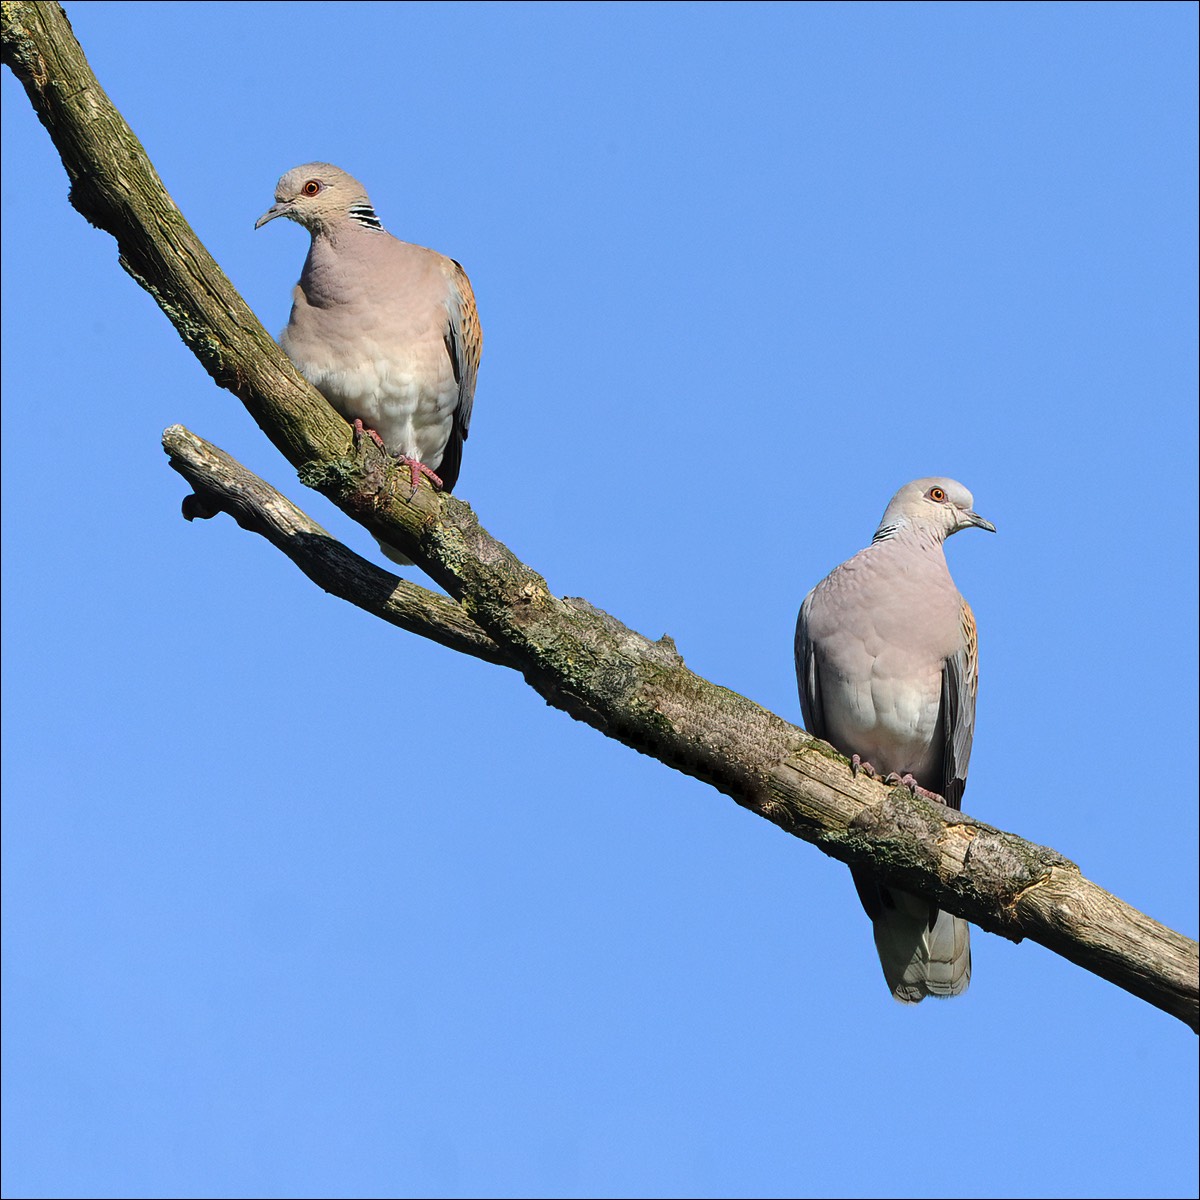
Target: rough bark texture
{"type": "Point", "coordinates": [580, 659]}
{"type": "Point", "coordinates": [223, 485]}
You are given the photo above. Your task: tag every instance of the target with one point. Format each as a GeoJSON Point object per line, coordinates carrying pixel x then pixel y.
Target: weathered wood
{"type": "Point", "coordinates": [224, 485]}
{"type": "Point", "coordinates": [580, 659]}
{"type": "Point", "coordinates": [115, 187]}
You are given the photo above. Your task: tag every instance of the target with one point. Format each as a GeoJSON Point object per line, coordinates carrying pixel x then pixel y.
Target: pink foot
{"type": "Point", "coordinates": [857, 764]}
{"type": "Point", "coordinates": [906, 780]}
{"type": "Point", "coordinates": [909, 781]}
{"type": "Point", "coordinates": [416, 470]}
{"type": "Point", "coordinates": [360, 430]}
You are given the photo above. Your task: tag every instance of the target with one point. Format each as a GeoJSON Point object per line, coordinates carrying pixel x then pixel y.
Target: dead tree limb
{"type": "Point", "coordinates": [578, 658]}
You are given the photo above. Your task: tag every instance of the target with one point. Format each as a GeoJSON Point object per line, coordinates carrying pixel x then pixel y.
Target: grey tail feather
{"type": "Point", "coordinates": [924, 951]}
{"type": "Point", "coordinates": [394, 555]}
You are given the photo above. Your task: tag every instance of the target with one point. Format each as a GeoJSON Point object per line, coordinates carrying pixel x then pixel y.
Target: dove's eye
{"type": "Point", "coordinates": [937, 494]}
{"type": "Point", "coordinates": [312, 187]}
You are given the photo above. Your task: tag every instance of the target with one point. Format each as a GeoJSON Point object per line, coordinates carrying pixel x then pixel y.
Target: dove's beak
{"type": "Point", "coordinates": [973, 518]}
{"type": "Point", "coordinates": [276, 210]}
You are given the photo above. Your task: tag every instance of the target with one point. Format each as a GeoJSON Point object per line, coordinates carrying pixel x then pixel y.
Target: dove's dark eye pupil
{"type": "Point", "coordinates": [312, 187]}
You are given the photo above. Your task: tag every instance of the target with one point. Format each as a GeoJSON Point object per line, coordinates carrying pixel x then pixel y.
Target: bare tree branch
{"type": "Point", "coordinates": [223, 485]}
{"type": "Point", "coordinates": [580, 659]}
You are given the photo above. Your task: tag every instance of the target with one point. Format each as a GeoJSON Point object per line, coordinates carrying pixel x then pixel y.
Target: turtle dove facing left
{"type": "Point", "coordinates": [386, 331]}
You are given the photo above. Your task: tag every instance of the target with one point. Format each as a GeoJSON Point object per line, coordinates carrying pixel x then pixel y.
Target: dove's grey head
{"type": "Point", "coordinates": [318, 195]}
{"type": "Point", "coordinates": [936, 506]}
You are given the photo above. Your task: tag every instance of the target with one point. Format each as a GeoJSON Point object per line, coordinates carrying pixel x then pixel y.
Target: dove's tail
{"type": "Point", "coordinates": [923, 950]}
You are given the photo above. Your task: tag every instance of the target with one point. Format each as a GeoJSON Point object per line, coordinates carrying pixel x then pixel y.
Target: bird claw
{"type": "Point", "coordinates": [893, 779]}
{"type": "Point", "coordinates": [360, 431]}
{"type": "Point", "coordinates": [857, 764]}
{"type": "Point", "coordinates": [909, 781]}
{"type": "Point", "coordinates": [416, 470]}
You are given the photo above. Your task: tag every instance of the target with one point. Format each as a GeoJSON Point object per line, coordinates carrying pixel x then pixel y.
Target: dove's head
{"type": "Point", "coordinates": [318, 195]}
{"type": "Point", "coordinates": [935, 505]}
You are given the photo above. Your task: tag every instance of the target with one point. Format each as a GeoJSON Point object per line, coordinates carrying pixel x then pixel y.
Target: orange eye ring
{"type": "Point", "coordinates": [312, 187]}
{"type": "Point", "coordinates": [937, 494]}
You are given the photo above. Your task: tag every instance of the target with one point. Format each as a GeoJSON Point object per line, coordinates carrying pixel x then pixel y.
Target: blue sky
{"type": "Point", "coordinates": [298, 905]}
